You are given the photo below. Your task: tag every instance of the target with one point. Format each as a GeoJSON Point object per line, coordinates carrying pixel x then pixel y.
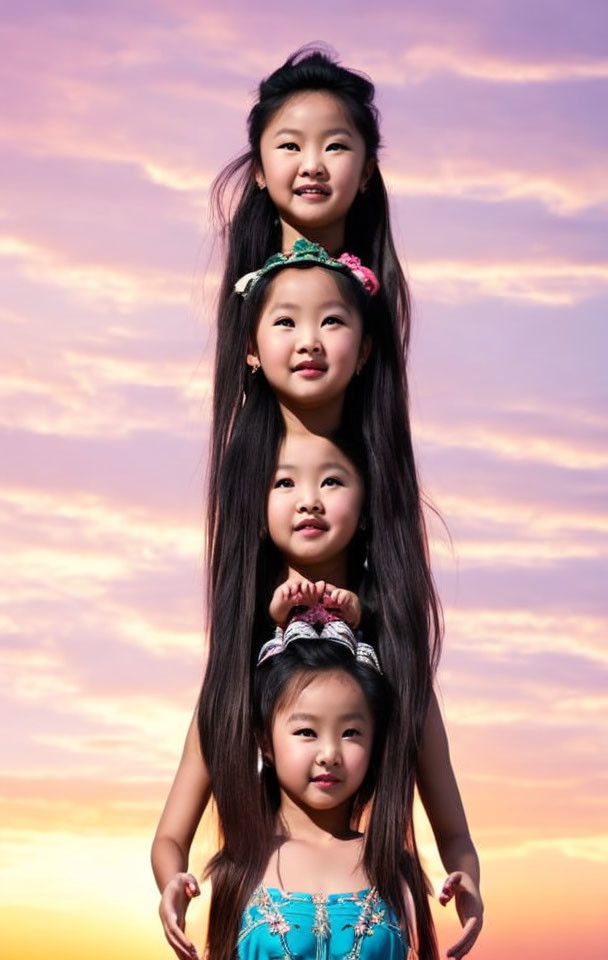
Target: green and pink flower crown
{"type": "Point", "coordinates": [304, 251]}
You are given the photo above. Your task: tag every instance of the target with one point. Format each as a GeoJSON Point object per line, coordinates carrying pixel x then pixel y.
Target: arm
{"type": "Point", "coordinates": [183, 810]}
{"type": "Point", "coordinates": [441, 799]}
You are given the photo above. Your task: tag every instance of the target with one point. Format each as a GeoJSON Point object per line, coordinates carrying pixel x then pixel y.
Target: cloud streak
{"type": "Point", "coordinates": [115, 120]}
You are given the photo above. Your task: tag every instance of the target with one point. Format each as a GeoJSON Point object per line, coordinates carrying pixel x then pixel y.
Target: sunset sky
{"type": "Point", "coordinates": [115, 118]}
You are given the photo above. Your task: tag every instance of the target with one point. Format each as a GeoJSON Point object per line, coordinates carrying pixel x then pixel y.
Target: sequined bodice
{"type": "Point", "coordinates": [304, 926]}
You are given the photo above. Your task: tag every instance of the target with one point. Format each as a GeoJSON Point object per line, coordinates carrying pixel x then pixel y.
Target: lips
{"type": "Point", "coordinates": [311, 523]}
{"type": "Point", "coordinates": [315, 365]}
{"type": "Point", "coordinates": [313, 190]}
{"type": "Point", "coordinates": [325, 780]}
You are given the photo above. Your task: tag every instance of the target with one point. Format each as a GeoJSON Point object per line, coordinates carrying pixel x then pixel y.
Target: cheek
{"type": "Point", "coordinates": [350, 173]}
{"type": "Point", "coordinates": [346, 352]}
{"type": "Point", "coordinates": [348, 524]}
{"type": "Point", "coordinates": [346, 515]}
{"type": "Point", "coordinates": [276, 515]}
{"type": "Point", "coordinates": [273, 354]}
{"type": "Point", "coordinates": [359, 763]}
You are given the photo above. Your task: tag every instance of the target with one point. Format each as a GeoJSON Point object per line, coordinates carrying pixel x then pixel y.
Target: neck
{"type": "Point", "coordinates": [317, 826]}
{"type": "Point", "coordinates": [321, 421]}
{"type": "Point", "coordinates": [330, 237]}
{"type": "Point", "coordinates": [333, 571]}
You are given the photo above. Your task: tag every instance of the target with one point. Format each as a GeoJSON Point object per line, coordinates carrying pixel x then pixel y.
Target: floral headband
{"type": "Point", "coordinates": [331, 629]}
{"type": "Point", "coordinates": [304, 251]}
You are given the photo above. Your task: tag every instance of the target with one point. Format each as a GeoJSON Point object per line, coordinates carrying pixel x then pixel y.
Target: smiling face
{"type": "Point", "coordinates": [313, 164]}
{"type": "Point", "coordinates": [322, 738]}
{"type": "Point", "coordinates": [309, 338]}
{"type": "Point", "coordinates": [314, 507]}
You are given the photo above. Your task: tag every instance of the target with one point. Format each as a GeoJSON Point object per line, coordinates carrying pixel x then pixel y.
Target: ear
{"type": "Point", "coordinates": [364, 352]}
{"type": "Point", "coordinates": [253, 362]}
{"type": "Point", "coordinates": [265, 748]}
{"type": "Point", "coordinates": [259, 177]}
{"type": "Point", "coordinates": [368, 170]}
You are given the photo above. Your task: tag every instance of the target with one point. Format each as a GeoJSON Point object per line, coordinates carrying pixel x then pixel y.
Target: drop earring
{"type": "Point", "coordinates": [253, 363]}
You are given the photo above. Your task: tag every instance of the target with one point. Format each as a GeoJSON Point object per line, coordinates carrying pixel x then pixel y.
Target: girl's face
{"type": "Point", "coordinates": [314, 505]}
{"type": "Point", "coordinates": [313, 164]}
{"type": "Point", "coordinates": [322, 741]}
{"type": "Point", "coordinates": [309, 338]}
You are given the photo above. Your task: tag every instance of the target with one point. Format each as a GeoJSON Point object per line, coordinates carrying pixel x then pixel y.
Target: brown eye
{"type": "Point", "coordinates": [332, 482]}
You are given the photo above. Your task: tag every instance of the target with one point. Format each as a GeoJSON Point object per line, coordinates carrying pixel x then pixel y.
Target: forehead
{"type": "Point", "coordinates": [311, 110]}
{"type": "Point", "coordinates": [306, 286]}
{"type": "Point", "coordinates": [312, 450]}
{"type": "Point", "coordinates": [331, 693]}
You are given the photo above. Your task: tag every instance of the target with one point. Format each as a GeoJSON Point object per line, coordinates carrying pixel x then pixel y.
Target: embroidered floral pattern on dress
{"type": "Point", "coordinates": [302, 926]}
{"type": "Point", "coordinates": [320, 927]}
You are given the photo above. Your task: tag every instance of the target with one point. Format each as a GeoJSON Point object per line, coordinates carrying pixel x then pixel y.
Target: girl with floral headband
{"type": "Point", "coordinates": [317, 339]}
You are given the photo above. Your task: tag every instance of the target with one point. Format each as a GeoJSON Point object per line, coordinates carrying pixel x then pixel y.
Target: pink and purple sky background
{"type": "Point", "coordinates": [115, 118]}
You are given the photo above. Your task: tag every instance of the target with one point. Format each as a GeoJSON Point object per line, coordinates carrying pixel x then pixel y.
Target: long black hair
{"type": "Point", "coordinates": [239, 866]}
{"type": "Point", "coordinates": [388, 566]}
{"type": "Point", "coordinates": [249, 222]}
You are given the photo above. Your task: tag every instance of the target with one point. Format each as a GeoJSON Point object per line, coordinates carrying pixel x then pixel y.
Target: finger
{"type": "Point", "coordinates": [449, 887]}
{"type": "Point", "coordinates": [453, 878]}
{"type": "Point", "coordinates": [192, 887]}
{"type": "Point", "coordinates": [180, 943]}
{"type": "Point", "coordinates": [470, 932]}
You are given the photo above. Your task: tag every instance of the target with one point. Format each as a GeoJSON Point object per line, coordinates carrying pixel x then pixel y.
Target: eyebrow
{"type": "Point", "coordinates": [336, 131]}
{"type": "Point", "coordinates": [285, 306]}
{"type": "Point", "coordinates": [355, 715]}
{"type": "Point", "coordinates": [334, 465]}
{"type": "Point", "coordinates": [329, 465]}
{"type": "Point", "coordinates": [327, 305]}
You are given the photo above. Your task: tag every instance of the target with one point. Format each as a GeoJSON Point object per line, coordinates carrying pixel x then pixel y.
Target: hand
{"type": "Point", "coordinates": [469, 906]}
{"type": "Point", "coordinates": [296, 592]}
{"type": "Point", "coordinates": [345, 602]}
{"type": "Point", "coordinates": [173, 905]}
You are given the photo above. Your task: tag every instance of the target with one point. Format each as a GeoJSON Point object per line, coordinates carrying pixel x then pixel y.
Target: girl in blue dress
{"type": "Point", "coordinates": [321, 708]}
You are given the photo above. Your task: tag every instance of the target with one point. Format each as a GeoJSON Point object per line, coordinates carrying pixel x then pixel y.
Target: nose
{"type": "Point", "coordinates": [311, 163]}
{"type": "Point", "coordinates": [328, 753]}
{"type": "Point", "coordinates": [309, 340]}
{"type": "Point", "coordinates": [309, 502]}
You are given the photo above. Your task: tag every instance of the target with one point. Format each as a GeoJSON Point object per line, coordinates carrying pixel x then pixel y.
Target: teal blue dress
{"type": "Point", "coordinates": [306, 926]}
